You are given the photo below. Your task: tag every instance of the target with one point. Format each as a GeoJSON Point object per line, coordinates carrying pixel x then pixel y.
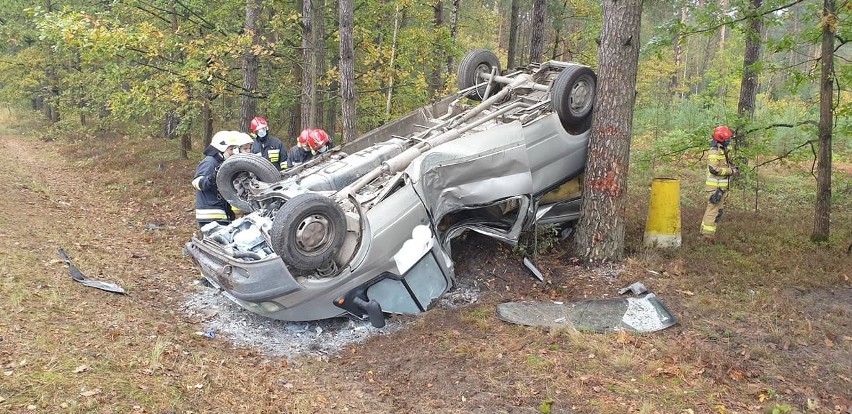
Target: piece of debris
{"type": "Point", "coordinates": [529, 265]}
{"type": "Point", "coordinates": [78, 276]}
{"type": "Point", "coordinates": [637, 288]}
{"type": "Point", "coordinates": [645, 314]}
{"type": "Point", "coordinates": [210, 333]}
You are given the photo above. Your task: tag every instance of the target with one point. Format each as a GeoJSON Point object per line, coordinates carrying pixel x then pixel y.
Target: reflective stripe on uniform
{"type": "Point", "coordinates": [712, 157]}
{"type": "Point", "coordinates": [197, 182]}
{"type": "Point", "coordinates": [210, 214]}
{"type": "Point", "coordinates": [706, 228]}
{"type": "Point", "coordinates": [274, 154]}
{"type": "Point", "coordinates": [716, 182]}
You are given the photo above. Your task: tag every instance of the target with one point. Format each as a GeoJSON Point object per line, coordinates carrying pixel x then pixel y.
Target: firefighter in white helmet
{"type": "Point", "coordinates": [209, 205]}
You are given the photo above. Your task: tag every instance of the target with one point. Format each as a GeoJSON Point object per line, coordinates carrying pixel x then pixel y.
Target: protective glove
{"type": "Point", "coordinates": [716, 197]}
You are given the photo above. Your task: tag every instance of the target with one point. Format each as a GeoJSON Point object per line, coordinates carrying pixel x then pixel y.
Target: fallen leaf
{"type": "Point", "coordinates": [2, 399]}
{"type": "Point", "coordinates": [829, 343]}
{"type": "Point", "coordinates": [90, 393]}
{"type": "Point", "coordinates": [81, 368]}
{"type": "Point", "coordinates": [736, 375]}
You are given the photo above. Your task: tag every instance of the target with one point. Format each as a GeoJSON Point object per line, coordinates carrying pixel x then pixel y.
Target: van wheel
{"type": "Point", "coordinates": [476, 63]}
{"type": "Point", "coordinates": [237, 174]}
{"type": "Point", "coordinates": [308, 231]}
{"type": "Point", "coordinates": [573, 97]}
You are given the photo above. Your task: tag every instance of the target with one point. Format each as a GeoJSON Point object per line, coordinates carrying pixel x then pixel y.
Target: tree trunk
{"type": "Point", "coordinates": [392, 58]}
{"type": "Point", "coordinates": [332, 107]}
{"type": "Point", "coordinates": [319, 59]}
{"type": "Point", "coordinates": [723, 31]}
{"type": "Point", "coordinates": [454, 35]}
{"type": "Point", "coordinates": [436, 78]}
{"type": "Point", "coordinates": [347, 70]}
{"type": "Point", "coordinates": [600, 233]}
{"type": "Point", "coordinates": [248, 106]}
{"type": "Point", "coordinates": [185, 145]}
{"type": "Point", "coordinates": [674, 84]}
{"type": "Point", "coordinates": [822, 213]}
{"type": "Point", "coordinates": [537, 35]}
{"type": "Point", "coordinates": [171, 124]}
{"type": "Point", "coordinates": [309, 77]}
{"type": "Point", "coordinates": [513, 34]}
{"type": "Point", "coordinates": [557, 33]}
{"type": "Point", "coordinates": [207, 116]}
{"type": "Point", "coordinates": [751, 55]}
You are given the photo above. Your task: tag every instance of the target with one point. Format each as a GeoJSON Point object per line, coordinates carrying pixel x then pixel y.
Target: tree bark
{"type": "Point", "coordinates": [436, 78]}
{"type": "Point", "coordinates": [454, 35]}
{"type": "Point", "coordinates": [513, 34]}
{"type": "Point", "coordinates": [248, 106]}
{"type": "Point", "coordinates": [396, 19]}
{"type": "Point", "coordinates": [319, 59]}
{"type": "Point", "coordinates": [309, 77]}
{"type": "Point", "coordinates": [600, 233]}
{"type": "Point", "coordinates": [751, 55]}
{"type": "Point", "coordinates": [723, 31]}
{"type": "Point", "coordinates": [207, 116]}
{"type": "Point", "coordinates": [678, 41]}
{"type": "Point", "coordinates": [347, 70]}
{"type": "Point", "coordinates": [822, 213]}
{"type": "Point", "coordinates": [537, 35]}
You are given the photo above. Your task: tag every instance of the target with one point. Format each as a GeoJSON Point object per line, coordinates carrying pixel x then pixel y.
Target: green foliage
{"type": "Point", "coordinates": [538, 240]}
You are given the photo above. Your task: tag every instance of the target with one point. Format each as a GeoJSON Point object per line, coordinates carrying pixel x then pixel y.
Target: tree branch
{"type": "Point", "coordinates": [153, 14]}
{"type": "Point", "coordinates": [746, 17]}
{"type": "Point", "coordinates": [812, 122]}
{"type": "Point", "coordinates": [780, 157]}
{"type": "Point", "coordinates": [205, 22]}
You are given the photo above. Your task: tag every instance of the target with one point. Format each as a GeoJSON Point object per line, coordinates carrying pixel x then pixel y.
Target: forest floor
{"type": "Point", "coordinates": [765, 316]}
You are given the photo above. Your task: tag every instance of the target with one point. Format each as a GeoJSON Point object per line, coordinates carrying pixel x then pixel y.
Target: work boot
{"type": "Point", "coordinates": [708, 239]}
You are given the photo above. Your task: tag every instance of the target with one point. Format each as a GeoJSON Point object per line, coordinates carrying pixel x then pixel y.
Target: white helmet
{"type": "Point", "coordinates": [224, 139]}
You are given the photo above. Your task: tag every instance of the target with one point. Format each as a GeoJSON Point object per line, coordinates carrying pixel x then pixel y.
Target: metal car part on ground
{"type": "Point", "coordinates": [365, 229]}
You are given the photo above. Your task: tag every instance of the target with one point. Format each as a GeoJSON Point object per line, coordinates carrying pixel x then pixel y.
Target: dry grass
{"type": "Point", "coordinates": [764, 316]}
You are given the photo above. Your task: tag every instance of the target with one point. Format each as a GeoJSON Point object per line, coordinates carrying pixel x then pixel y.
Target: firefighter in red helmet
{"type": "Point", "coordinates": [719, 171]}
{"type": "Point", "coordinates": [311, 141]}
{"type": "Point", "coordinates": [266, 145]}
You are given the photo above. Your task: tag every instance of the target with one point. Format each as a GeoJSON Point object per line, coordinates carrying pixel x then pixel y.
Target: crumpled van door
{"type": "Point", "coordinates": [477, 170]}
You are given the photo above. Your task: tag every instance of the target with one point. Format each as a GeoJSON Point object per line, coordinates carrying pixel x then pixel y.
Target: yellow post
{"type": "Point", "coordinates": [663, 226]}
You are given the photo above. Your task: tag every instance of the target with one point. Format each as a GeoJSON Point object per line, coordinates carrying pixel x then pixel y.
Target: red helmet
{"type": "Point", "coordinates": [303, 137]}
{"type": "Point", "coordinates": [317, 139]}
{"type": "Point", "coordinates": [258, 123]}
{"type": "Point", "coordinates": [722, 133]}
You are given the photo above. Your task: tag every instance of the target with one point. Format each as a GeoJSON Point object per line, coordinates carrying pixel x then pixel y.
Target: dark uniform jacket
{"type": "Point", "coordinates": [272, 149]}
{"type": "Point", "coordinates": [209, 205]}
{"type": "Point", "coordinates": [298, 155]}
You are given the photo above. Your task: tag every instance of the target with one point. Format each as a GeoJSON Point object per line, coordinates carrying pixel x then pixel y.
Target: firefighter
{"type": "Point", "coordinates": [319, 142]}
{"type": "Point", "coordinates": [301, 152]}
{"type": "Point", "coordinates": [719, 171]}
{"type": "Point", "coordinates": [266, 145]}
{"type": "Point", "coordinates": [209, 205]}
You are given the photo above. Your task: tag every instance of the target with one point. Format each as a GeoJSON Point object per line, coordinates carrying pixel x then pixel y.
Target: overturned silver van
{"type": "Point", "coordinates": [365, 229]}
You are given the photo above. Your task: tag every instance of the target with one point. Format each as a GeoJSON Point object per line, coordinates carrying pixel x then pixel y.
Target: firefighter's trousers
{"type": "Point", "coordinates": [714, 211]}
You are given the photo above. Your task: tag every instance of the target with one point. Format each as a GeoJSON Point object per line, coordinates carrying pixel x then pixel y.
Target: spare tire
{"type": "Point", "coordinates": [236, 175]}
{"type": "Point", "coordinates": [573, 97]}
{"type": "Point", "coordinates": [478, 62]}
{"type": "Point", "coordinates": [308, 231]}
